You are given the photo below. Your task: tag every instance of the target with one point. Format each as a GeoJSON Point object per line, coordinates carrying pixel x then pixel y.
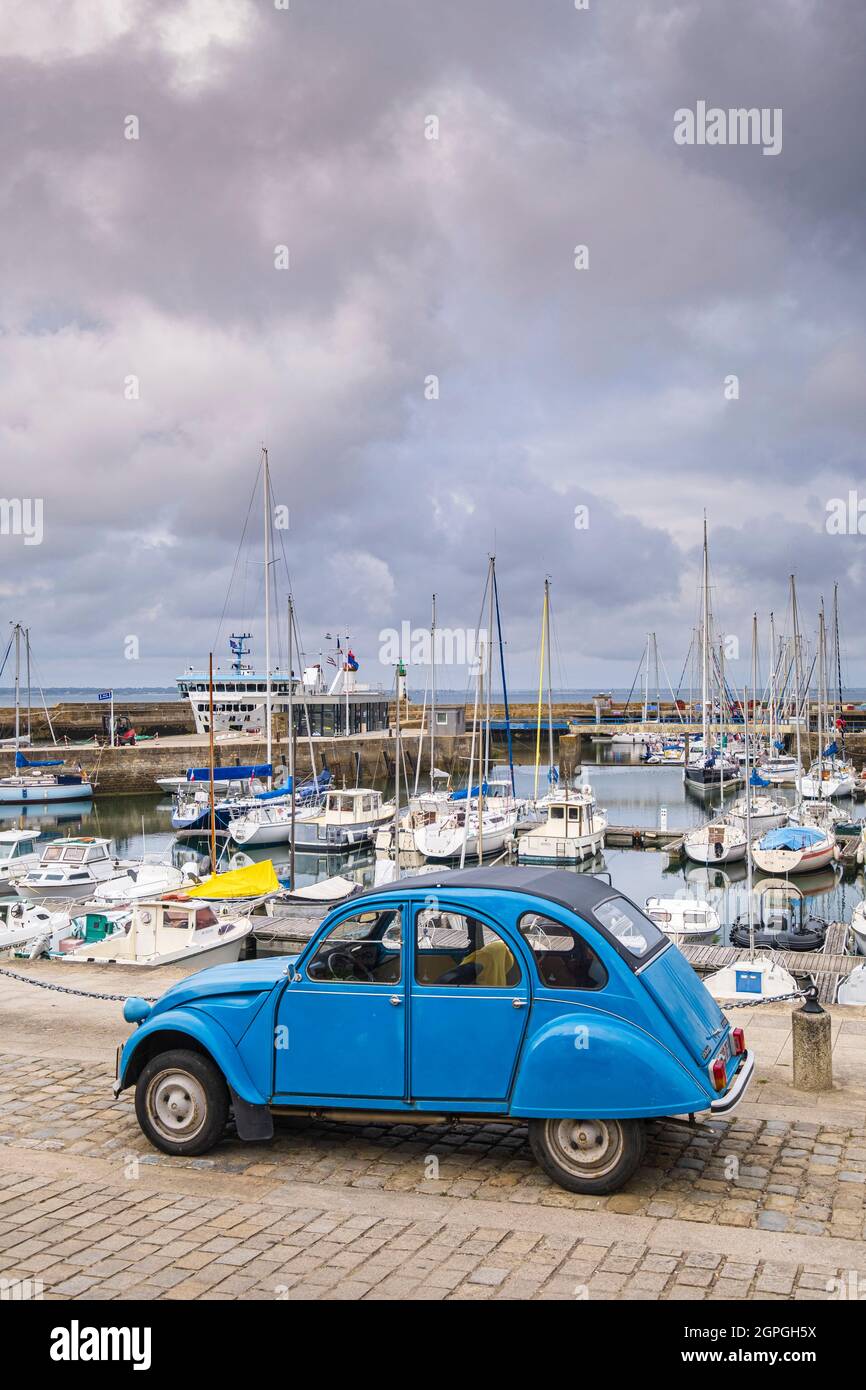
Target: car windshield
{"type": "Point", "coordinates": [632, 929]}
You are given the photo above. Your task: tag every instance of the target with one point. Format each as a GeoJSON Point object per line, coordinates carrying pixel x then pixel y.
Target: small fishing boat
{"type": "Point", "coordinates": [684, 919]}
{"type": "Point", "coordinates": [717, 842]}
{"type": "Point", "coordinates": [69, 870]}
{"type": "Point", "coordinates": [794, 849]}
{"type": "Point", "coordinates": [574, 830]}
{"type": "Point", "coordinates": [767, 812]}
{"type": "Point", "coordinates": [16, 856]}
{"type": "Point", "coordinates": [20, 924]}
{"type": "Point", "coordinates": [782, 921]}
{"type": "Point", "coordinates": [168, 933]}
{"type": "Point", "coordinates": [66, 932]}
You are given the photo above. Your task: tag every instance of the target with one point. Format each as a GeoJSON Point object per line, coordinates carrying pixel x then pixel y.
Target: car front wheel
{"type": "Point", "coordinates": [182, 1102]}
{"type": "Point", "coordinates": [588, 1156]}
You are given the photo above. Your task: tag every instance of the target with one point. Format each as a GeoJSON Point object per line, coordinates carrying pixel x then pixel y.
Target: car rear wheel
{"type": "Point", "coordinates": [588, 1156]}
{"type": "Point", "coordinates": [182, 1102]}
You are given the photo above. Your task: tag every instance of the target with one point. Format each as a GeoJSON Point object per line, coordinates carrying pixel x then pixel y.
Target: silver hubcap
{"type": "Point", "coordinates": [176, 1104]}
{"type": "Point", "coordinates": [588, 1147]}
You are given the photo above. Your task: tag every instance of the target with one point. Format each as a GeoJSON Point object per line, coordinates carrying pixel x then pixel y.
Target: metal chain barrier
{"type": "Point", "coordinates": [84, 993]}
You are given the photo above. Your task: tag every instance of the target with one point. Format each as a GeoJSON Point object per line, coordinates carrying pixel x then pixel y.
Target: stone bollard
{"type": "Point", "coordinates": [812, 1046]}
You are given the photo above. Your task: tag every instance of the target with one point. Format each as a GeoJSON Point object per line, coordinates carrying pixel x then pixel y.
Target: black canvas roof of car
{"type": "Point", "coordinates": [580, 892]}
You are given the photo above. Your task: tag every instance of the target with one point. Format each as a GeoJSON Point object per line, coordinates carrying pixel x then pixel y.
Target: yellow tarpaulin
{"type": "Point", "coordinates": [250, 882]}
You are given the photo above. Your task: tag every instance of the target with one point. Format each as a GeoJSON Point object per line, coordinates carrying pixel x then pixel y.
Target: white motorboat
{"type": "Point", "coordinates": [794, 849]}
{"type": "Point", "coordinates": [324, 893]}
{"type": "Point", "coordinates": [684, 919]}
{"type": "Point", "coordinates": [780, 771]}
{"type": "Point", "coordinates": [761, 977]}
{"type": "Point", "coordinates": [858, 927]}
{"type": "Point", "coordinates": [140, 881]}
{"type": "Point", "coordinates": [20, 923]}
{"type": "Point", "coordinates": [169, 933]}
{"type": "Point", "coordinates": [68, 931]}
{"type": "Point", "coordinates": [717, 842]}
{"type": "Point", "coordinates": [348, 818]}
{"type": "Point", "coordinates": [852, 987]}
{"type": "Point", "coordinates": [16, 856]}
{"type": "Point", "coordinates": [767, 812]}
{"type": "Point", "coordinates": [630, 740]}
{"type": "Point", "coordinates": [69, 870]}
{"type": "Point", "coordinates": [574, 830]}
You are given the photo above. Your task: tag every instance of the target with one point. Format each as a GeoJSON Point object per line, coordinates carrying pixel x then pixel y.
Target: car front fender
{"type": "Point", "coordinates": [199, 1028]}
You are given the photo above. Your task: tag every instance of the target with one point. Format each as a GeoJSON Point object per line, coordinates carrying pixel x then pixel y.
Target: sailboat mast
{"type": "Point", "coordinates": [646, 665]}
{"type": "Point", "coordinates": [749, 791]}
{"type": "Point", "coordinates": [27, 641]}
{"type": "Point", "coordinates": [266, 490]}
{"type": "Point", "coordinates": [549, 690]}
{"type": "Point", "coordinates": [432, 694]}
{"type": "Point", "coordinates": [540, 693]}
{"type": "Point", "coordinates": [772, 683]}
{"type": "Point", "coordinates": [798, 676]}
{"type": "Point", "coordinates": [822, 694]}
{"type": "Point", "coordinates": [213, 859]}
{"type": "Point", "coordinates": [17, 685]}
{"type": "Point", "coordinates": [705, 651]}
{"type": "Point", "coordinates": [292, 745]}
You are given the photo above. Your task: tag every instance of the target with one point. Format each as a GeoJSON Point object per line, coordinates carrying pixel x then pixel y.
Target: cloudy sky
{"type": "Point", "coordinates": [153, 258]}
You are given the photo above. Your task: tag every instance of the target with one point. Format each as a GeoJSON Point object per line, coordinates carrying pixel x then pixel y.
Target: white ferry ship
{"type": "Point", "coordinates": [239, 697]}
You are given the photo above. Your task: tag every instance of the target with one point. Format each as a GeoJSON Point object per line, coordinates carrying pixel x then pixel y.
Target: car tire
{"type": "Point", "coordinates": [592, 1157]}
{"type": "Point", "coordinates": [182, 1102]}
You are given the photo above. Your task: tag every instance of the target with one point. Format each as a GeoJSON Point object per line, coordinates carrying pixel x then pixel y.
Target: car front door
{"type": "Point", "coordinates": [341, 1027]}
{"type": "Point", "coordinates": [470, 1001]}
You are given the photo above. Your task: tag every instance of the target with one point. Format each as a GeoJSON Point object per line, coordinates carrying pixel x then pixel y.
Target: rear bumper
{"type": "Point", "coordinates": [737, 1088]}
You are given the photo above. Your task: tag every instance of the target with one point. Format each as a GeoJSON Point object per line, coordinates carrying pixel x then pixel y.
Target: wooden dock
{"type": "Point", "coordinates": [826, 967]}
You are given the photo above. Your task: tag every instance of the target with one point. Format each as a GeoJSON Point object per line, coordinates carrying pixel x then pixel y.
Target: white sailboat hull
{"type": "Point", "coordinates": [779, 862]}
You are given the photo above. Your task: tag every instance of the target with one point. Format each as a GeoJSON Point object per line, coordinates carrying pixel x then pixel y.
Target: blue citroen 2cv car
{"type": "Point", "coordinates": [517, 994]}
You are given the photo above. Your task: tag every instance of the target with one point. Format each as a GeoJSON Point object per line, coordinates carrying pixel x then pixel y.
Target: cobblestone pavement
{"type": "Point", "coordinates": [88, 1208]}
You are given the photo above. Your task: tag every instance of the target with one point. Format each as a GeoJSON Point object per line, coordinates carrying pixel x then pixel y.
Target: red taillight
{"type": "Point", "coordinates": [738, 1041]}
{"type": "Point", "coordinates": [719, 1075]}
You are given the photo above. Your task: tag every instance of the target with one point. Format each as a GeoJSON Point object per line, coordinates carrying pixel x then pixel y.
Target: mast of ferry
{"type": "Point", "coordinates": [267, 525]}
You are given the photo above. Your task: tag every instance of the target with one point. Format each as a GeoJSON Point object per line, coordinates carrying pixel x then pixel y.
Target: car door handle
{"type": "Point", "coordinates": [518, 1003]}
{"type": "Point", "coordinates": [395, 1000]}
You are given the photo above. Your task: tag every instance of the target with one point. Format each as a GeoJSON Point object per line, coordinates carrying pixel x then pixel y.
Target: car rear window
{"type": "Point", "coordinates": [630, 927]}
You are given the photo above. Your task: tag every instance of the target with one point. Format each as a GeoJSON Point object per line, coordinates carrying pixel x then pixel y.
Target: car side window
{"type": "Point", "coordinates": [453, 949]}
{"type": "Point", "coordinates": [563, 958]}
{"type": "Point", "coordinates": [364, 949]}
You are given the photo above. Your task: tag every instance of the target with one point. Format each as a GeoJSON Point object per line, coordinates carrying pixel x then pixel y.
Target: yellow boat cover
{"type": "Point", "coordinates": [249, 882]}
